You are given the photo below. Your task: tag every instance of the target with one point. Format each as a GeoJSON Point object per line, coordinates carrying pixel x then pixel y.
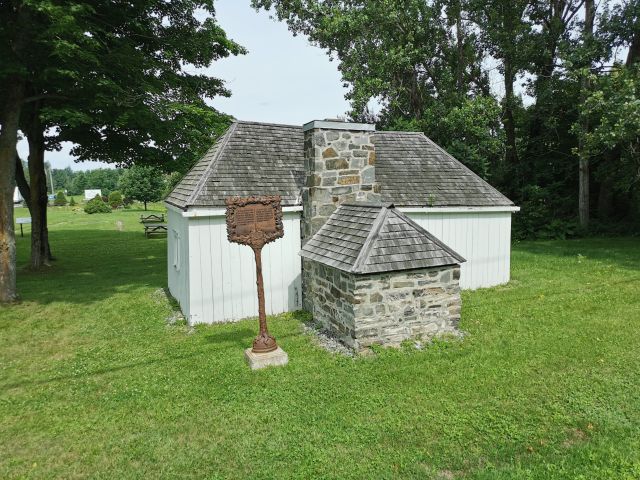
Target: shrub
{"type": "Point", "coordinates": [115, 199]}
{"type": "Point", "coordinates": [72, 202]}
{"type": "Point", "coordinates": [96, 205]}
{"type": "Point", "coordinates": [60, 200]}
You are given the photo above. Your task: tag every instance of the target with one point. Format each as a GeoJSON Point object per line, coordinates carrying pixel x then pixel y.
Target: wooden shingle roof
{"type": "Point", "coordinates": [415, 172]}
{"type": "Point", "coordinates": [268, 159]}
{"type": "Point", "coordinates": [249, 159]}
{"type": "Point", "coordinates": [370, 238]}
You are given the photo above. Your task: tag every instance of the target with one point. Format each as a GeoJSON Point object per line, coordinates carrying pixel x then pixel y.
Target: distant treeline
{"type": "Point", "coordinates": [75, 182]}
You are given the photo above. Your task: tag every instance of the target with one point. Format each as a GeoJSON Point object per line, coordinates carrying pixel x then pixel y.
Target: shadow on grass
{"type": "Point", "coordinates": [92, 265]}
{"type": "Point", "coordinates": [241, 337]}
{"type": "Point", "coordinates": [104, 370]}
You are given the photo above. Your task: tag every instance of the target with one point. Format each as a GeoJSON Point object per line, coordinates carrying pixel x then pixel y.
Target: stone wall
{"type": "Point", "coordinates": [393, 307]}
{"type": "Point", "coordinates": [331, 301]}
{"type": "Point", "coordinates": [386, 308]}
{"type": "Point", "coordinates": [339, 167]}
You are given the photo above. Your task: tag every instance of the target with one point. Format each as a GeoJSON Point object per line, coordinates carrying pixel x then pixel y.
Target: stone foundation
{"type": "Point", "coordinates": [384, 309]}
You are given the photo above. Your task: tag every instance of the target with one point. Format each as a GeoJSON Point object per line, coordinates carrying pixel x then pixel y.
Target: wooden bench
{"type": "Point", "coordinates": [155, 229]}
{"type": "Point", "coordinates": [152, 218]}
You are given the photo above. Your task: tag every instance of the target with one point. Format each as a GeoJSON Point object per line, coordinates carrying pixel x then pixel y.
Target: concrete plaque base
{"type": "Point", "coordinates": [262, 360]}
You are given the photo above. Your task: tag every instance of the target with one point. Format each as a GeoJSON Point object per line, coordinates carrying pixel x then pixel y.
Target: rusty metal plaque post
{"type": "Point", "coordinates": [256, 221]}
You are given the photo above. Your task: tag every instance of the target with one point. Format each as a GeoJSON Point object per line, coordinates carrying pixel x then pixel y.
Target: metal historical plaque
{"type": "Point", "coordinates": [256, 221]}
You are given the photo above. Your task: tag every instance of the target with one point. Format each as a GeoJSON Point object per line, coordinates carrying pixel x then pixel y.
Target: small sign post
{"type": "Point", "coordinates": [256, 221]}
{"type": "Point", "coordinates": [22, 221]}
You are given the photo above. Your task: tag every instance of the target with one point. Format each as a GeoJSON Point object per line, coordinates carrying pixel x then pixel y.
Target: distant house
{"type": "Point", "coordinates": [17, 197]}
{"type": "Point", "coordinates": [316, 168]}
{"type": "Point", "coordinates": [91, 194]}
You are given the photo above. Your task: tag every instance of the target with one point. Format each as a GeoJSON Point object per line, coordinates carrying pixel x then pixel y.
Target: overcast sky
{"type": "Point", "coordinates": [283, 79]}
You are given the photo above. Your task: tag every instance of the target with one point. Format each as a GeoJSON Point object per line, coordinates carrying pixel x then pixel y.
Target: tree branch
{"type": "Point", "coordinates": [44, 96]}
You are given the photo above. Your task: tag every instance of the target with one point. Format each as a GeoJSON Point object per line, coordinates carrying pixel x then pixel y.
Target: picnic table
{"type": "Point", "coordinates": [154, 229]}
{"type": "Point", "coordinates": [22, 221]}
{"type": "Point", "coordinates": [152, 218]}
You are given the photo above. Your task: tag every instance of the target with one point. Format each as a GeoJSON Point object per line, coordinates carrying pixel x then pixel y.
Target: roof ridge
{"type": "Point", "coordinates": [356, 203]}
{"type": "Point", "coordinates": [370, 241]}
{"type": "Point", "coordinates": [252, 122]}
{"type": "Point", "coordinates": [398, 131]}
{"type": "Point", "coordinates": [429, 235]}
{"type": "Point", "coordinates": [221, 144]}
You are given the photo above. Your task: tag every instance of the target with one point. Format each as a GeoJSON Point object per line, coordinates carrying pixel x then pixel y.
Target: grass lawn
{"type": "Point", "coordinates": [95, 383]}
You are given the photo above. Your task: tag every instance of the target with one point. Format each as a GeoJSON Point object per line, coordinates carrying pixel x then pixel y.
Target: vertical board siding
{"type": "Point", "coordinates": [178, 278]}
{"type": "Point", "coordinates": [223, 277]}
{"type": "Point", "coordinates": [483, 238]}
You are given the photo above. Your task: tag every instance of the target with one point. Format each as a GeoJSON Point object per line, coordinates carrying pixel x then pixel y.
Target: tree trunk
{"type": "Point", "coordinates": [145, 205]}
{"type": "Point", "coordinates": [9, 118]}
{"type": "Point", "coordinates": [634, 49]}
{"type": "Point", "coordinates": [40, 251]}
{"type": "Point", "coordinates": [511, 155]}
{"type": "Point", "coordinates": [583, 167]}
{"type": "Point", "coordinates": [583, 192]}
{"type": "Point", "coordinates": [460, 49]}
{"type": "Point", "coordinates": [22, 183]}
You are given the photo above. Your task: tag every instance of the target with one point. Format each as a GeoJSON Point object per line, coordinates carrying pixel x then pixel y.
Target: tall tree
{"type": "Point", "coordinates": [142, 183]}
{"type": "Point", "coordinates": [116, 79]}
{"type": "Point", "coordinates": [9, 118]}
{"type": "Point", "coordinates": [608, 129]}
{"type": "Point", "coordinates": [583, 167]}
{"type": "Point", "coordinates": [34, 131]}
{"type": "Point", "coordinates": [12, 96]}
{"type": "Point", "coordinates": [505, 32]}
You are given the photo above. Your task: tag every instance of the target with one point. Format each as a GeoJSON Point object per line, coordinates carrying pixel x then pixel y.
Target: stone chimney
{"type": "Point", "coordinates": [339, 159]}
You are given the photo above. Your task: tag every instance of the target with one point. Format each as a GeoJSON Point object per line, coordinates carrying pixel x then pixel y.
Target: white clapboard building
{"type": "Point", "coordinates": [214, 280]}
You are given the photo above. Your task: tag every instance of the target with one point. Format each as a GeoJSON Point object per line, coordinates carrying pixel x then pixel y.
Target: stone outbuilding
{"type": "Point", "coordinates": [374, 276]}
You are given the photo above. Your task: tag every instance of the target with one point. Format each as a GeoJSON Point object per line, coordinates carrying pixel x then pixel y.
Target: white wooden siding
{"type": "Point", "coordinates": [178, 275]}
{"type": "Point", "coordinates": [222, 276]}
{"type": "Point", "coordinates": [216, 281]}
{"type": "Point", "coordinates": [482, 238]}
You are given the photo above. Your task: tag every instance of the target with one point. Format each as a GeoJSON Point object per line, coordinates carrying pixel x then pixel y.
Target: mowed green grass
{"type": "Point", "coordinates": [95, 384]}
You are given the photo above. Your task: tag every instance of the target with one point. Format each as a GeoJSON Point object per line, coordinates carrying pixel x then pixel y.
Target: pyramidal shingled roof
{"type": "Point", "coordinates": [268, 159]}
{"type": "Point", "coordinates": [372, 238]}
{"type": "Point", "coordinates": [249, 159]}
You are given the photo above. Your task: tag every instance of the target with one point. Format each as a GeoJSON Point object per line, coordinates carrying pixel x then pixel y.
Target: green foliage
{"type": "Point", "coordinates": [123, 82]}
{"type": "Point", "coordinates": [474, 136]}
{"type": "Point", "coordinates": [76, 182]}
{"type": "Point", "coordinates": [97, 205]}
{"type": "Point", "coordinates": [425, 64]}
{"type": "Point", "coordinates": [538, 219]}
{"type": "Point", "coordinates": [543, 386]}
{"type": "Point", "coordinates": [60, 200]}
{"type": "Point", "coordinates": [612, 113]}
{"type": "Point", "coordinates": [115, 199]}
{"type": "Point", "coordinates": [72, 202]}
{"type": "Point", "coordinates": [470, 132]}
{"type": "Point", "coordinates": [142, 183]}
